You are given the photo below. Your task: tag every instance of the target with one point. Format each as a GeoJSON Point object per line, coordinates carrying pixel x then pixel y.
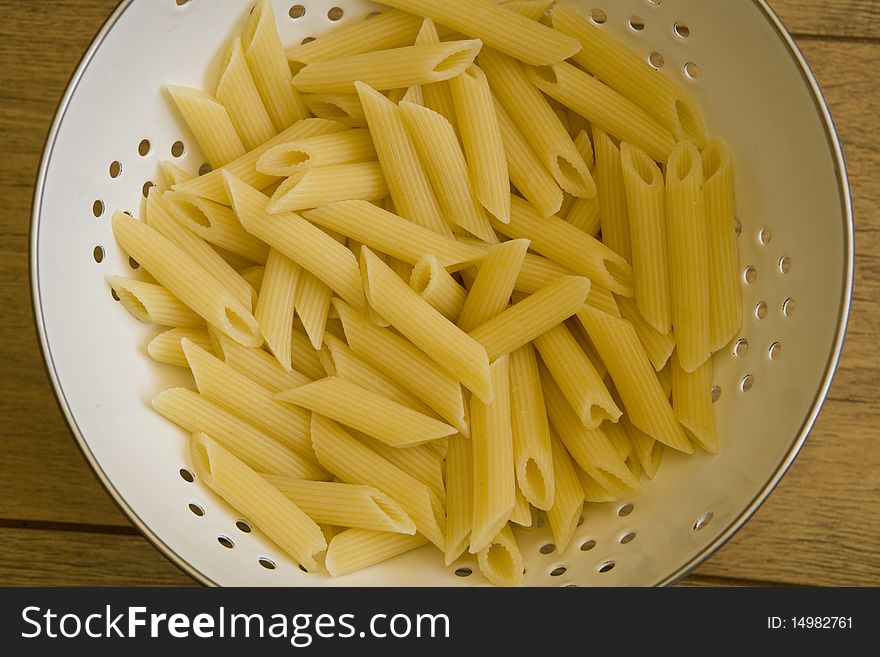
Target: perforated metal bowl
{"type": "Point", "coordinates": [115, 125]}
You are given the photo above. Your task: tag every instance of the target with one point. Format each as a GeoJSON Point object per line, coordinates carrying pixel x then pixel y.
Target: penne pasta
{"type": "Point", "coordinates": [435, 96]}
{"type": "Point", "coordinates": [313, 187]}
{"type": "Point", "coordinates": [239, 94]}
{"type": "Point", "coordinates": [658, 346]}
{"type": "Point", "coordinates": [434, 284]}
{"type": "Point", "coordinates": [259, 366]}
{"type": "Point", "coordinates": [501, 561]}
{"type": "Point", "coordinates": [344, 109]}
{"type": "Point", "coordinates": [422, 462]}
{"type": "Point", "coordinates": [532, 317]}
{"type": "Point", "coordinates": [173, 174]}
{"type": "Point", "coordinates": [274, 311]}
{"type": "Point", "coordinates": [253, 276]}
{"type": "Point", "coordinates": [356, 549]}
{"type": "Point", "coordinates": [613, 209]}
{"type": "Point", "coordinates": [459, 497]}
{"type": "Point", "coordinates": [210, 124]}
{"type": "Point", "coordinates": [366, 411]}
{"type": "Point", "coordinates": [312, 303]}
{"type": "Point", "coordinates": [293, 157]}
{"type": "Point", "coordinates": [270, 511]}
{"type": "Point", "coordinates": [457, 352]}
{"type": "Point", "coordinates": [646, 202]}
{"type": "Point", "coordinates": [166, 347]}
{"type": "Point", "coordinates": [345, 505]}
{"type": "Point", "coordinates": [692, 403]}
{"type": "Point", "coordinates": [568, 502]}
{"type": "Point", "coordinates": [497, 26]}
{"type": "Point", "coordinates": [594, 491]}
{"type": "Point", "coordinates": [184, 278]}
{"type": "Point", "coordinates": [647, 451]}
{"type": "Point", "coordinates": [305, 358]}
{"type": "Point", "coordinates": [496, 277]}
{"type": "Point", "coordinates": [538, 272]}
{"type": "Point", "coordinates": [522, 510]}
{"type": "Point", "coordinates": [531, 9]}
{"type": "Point", "coordinates": [688, 255]}
{"type": "Point", "coordinates": [153, 304]}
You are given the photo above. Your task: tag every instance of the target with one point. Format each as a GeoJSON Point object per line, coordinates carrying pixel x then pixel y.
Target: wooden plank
{"type": "Point", "coordinates": [32, 557]}
{"type": "Point", "coordinates": [836, 18]}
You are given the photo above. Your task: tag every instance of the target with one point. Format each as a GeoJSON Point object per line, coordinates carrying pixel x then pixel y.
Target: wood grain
{"type": "Point", "coordinates": [821, 526]}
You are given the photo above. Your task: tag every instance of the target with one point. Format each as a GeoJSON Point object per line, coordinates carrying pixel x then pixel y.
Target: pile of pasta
{"type": "Point", "coordinates": [464, 290]}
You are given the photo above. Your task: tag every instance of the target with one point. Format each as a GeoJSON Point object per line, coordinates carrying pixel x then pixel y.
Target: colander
{"type": "Point", "coordinates": [115, 124]}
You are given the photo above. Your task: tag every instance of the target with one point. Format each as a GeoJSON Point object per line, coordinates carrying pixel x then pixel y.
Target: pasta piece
{"type": "Point", "coordinates": [531, 431]}
{"type": "Point", "coordinates": [345, 505]}
{"type": "Point", "coordinates": [459, 497]}
{"type": "Point", "coordinates": [223, 385]}
{"type": "Point", "coordinates": [271, 72]}
{"type": "Point", "coordinates": [531, 9]}
{"type": "Point", "coordinates": [692, 403]}
{"type": "Point", "coordinates": [254, 276]}
{"type": "Point", "coordinates": [602, 299]}
{"type": "Point", "coordinates": [195, 413]}
{"type": "Point", "coordinates": [160, 219]}
{"type": "Point", "coordinates": [580, 335]}
{"type": "Point", "coordinates": [603, 107]}
{"type": "Point", "coordinates": [725, 291]}
{"type": "Point", "coordinates": [594, 491]}
{"type": "Point", "coordinates": [618, 437]}
{"type": "Point", "coordinates": [664, 376]}
{"type": "Point", "coordinates": [631, 75]}
{"type": "Point", "coordinates": [388, 233]}
{"type": "Point", "coordinates": [528, 319]}
{"type": "Point", "coordinates": [568, 246]}
{"type": "Point", "coordinates": [293, 157]}
{"type": "Point", "coordinates": [217, 224]}
{"type": "Point", "coordinates": [212, 187]}
{"type": "Point", "coordinates": [493, 470]}
{"type": "Point", "coordinates": [576, 377]}
{"type": "Point", "coordinates": [527, 173]}
{"type": "Point", "coordinates": [420, 461]}
{"type": "Point", "coordinates": [613, 210]}
{"type": "Point", "coordinates": [647, 451]}
{"type": "Point", "coordinates": [318, 186]}
{"type": "Point", "coordinates": [259, 366]}
{"type": "Point", "coordinates": [688, 255]}
{"type": "Point", "coordinates": [434, 284]}
{"type": "Point", "coordinates": [568, 503]}
{"type": "Point", "coordinates": [634, 378]}
{"type": "Point", "coordinates": [166, 348]}
{"type": "Point", "coordinates": [405, 365]}
{"type": "Point", "coordinates": [658, 346]}
{"type": "Point", "coordinates": [635, 467]}
{"type": "Point", "coordinates": [397, 68]}
{"type": "Point", "coordinates": [366, 411]}
{"type": "Point", "coordinates": [406, 176]}
{"type": "Point", "coordinates": [173, 174]}
{"type": "Point", "coordinates": [490, 293]}
{"type": "Point", "coordinates": [239, 94]}
{"type": "Point", "coordinates": [356, 549]}
{"type": "Point", "coordinates": [439, 151]}
{"type": "Point", "coordinates": [309, 247]}
{"type": "Point", "coordinates": [497, 26]}
{"type": "Point", "coordinates": [426, 328]}
{"type": "Point", "coordinates": [184, 278]}
{"type": "Point", "coordinates": [354, 463]}
{"type": "Point", "coordinates": [153, 303]}
{"type": "Point", "coordinates": [583, 143]}
{"type": "Point", "coordinates": [584, 214]}
{"type": "Point", "coordinates": [305, 358]}
{"type": "Point", "coordinates": [522, 511]}
{"type": "Point", "coordinates": [501, 561]}
{"type": "Point", "coordinates": [436, 96]}
{"type": "Point", "coordinates": [481, 141]}
{"type": "Point", "coordinates": [590, 448]}
{"type": "Point", "coordinates": [271, 512]}
{"type": "Point", "coordinates": [313, 305]}
{"type": "Point", "coordinates": [345, 109]}
{"type": "Point", "coordinates": [390, 29]}
{"type": "Point", "coordinates": [646, 202]}
{"type": "Point", "coordinates": [538, 123]}
{"type": "Point", "coordinates": [210, 124]}
{"type": "Point", "coordinates": [274, 311]}
{"type": "Point", "coordinates": [345, 364]}
{"type": "Point", "coordinates": [538, 272]}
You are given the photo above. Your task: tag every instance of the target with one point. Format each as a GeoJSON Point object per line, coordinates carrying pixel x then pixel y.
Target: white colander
{"type": "Point", "coordinates": [115, 125]}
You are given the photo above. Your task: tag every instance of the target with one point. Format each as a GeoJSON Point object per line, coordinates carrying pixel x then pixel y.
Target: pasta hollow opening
{"type": "Point", "coordinates": [501, 562]}
{"type": "Point", "coordinates": [569, 172]}
{"type": "Point", "coordinates": [329, 110]}
{"type": "Point", "coordinates": [132, 303]}
{"type": "Point", "coordinates": [193, 212]}
{"type": "Point", "coordinates": [237, 322]}
{"type": "Point", "coordinates": [546, 73]}
{"type": "Point", "coordinates": [646, 169]}
{"type": "Point", "coordinates": [421, 277]}
{"type": "Point", "coordinates": [295, 158]}
{"type": "Point", "coordinates": [456, 62]}
{"type": "Point", "coordinates": [200, 454]}
{"type": "Point", "coordinates": [682, 162]}
{"type": "Point", "coordinates": [535, 480]}
{"type": "Point", "coordinates": [393, 511]}
{"type": "Point", "coordinates": [620, 271]}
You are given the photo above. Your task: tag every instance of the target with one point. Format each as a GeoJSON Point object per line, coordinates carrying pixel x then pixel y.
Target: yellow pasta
{"type": "Point", "coordinates": [435, 96]}
{"type": "Point", "coordinates": [646, 202]}
{"type": "Point", "coordinates": [259, 366]}
{"type": "Point", "coordinates": [434, 284]}
{"type": "Point", "coordinates": [388, 233]}
{"type": "Point", "coordinates": [438, 148]}
{"type": "Point", "coordinates": [269, 67]}
{"type": "Point", "coordinates": [210, 124]}
{"type": "Point", "coordinates": [239, 94]}
{"type": "Point", "coordinates": [166, 347]}
{"type": "Point", "coordinates": [490, 293]}
{"type": "Point", "coordinates": [345, 505]}
{"type": "Point", "coordinates": [406, 176]}
{"type": "Point", "coordinates": [692, 403]}
{"type": "Point", "coordinates": [459, 497]}
{"type": "Point", "coordinates": [184, 278]}
{"type": "Point", "coordinates": [533, 459]}
{"type": "Point", "coordinates": [481, 140]}
{"type": "Point", "coordinates": [537, 121]}
{"type": "Point", "coordinates": [153, 303]}
{"type": "Point", "coordinates": [254, 276]}
{"type": "Point", "coordinates": [493, 470]}
{"type": "Point", "coordinates": [526, 320]}
{"type": "Point", "coordinates": [634, 378]}
{"type": "Point", "coordinates": [531, 9]}
{"type": "Point", "coordinates": [613, 210]}
{"type": "Point", "coordinates": [270, 511]}
{"type": "Point", "coordinates": [389, 69]}
{"type": "Point", "coordinates": [725, 291]}
{"type": "Point", "coordinates": [308, 246]}
{"type": "Point", "coordinates": [658, 346]}
{"type": "Point", "coordinates": [354, 463]}
{"type": "Point", "coordinates": [366, 411]}
{"type": "Point", "coordinates": [344, 109]}
{"type": "Point", "coordinates": [195, 413]}
{"type": "Point", "coordinates": [688, 255]}
{"type": "Point", "coordinates": [538, 272]}
{"type": "Point", "coordinates": [312, 187]}
{"type": "Point", "coordinates": [356, 549]}
{"type": "Point", "coordinates": [568, 503]}
{"type": "Point", "coordinates": [274, 311]}
{"type": "Point", "coordinates": [594, 491]}
{"type": "Point", "coordinates": [173, 174]}
{"type": "Point", "coordinates": [522, 510]}
{"type": "Point", "coordinates": [648, 452]}
{"type": "Point", "coordinates": [312, 301]}
{"type": "Point", "coordinates": [292, 157]}
{"type": "Point", "coordinates": [425, 327]}
{"type": "Point", "coordinates": [603, 107]}
{"type": "Point", "coordinates": [305, 358]}
{"type": "Point", "coordinates": [497, 26]}
{"type": "Point", "coordinates": [501, 561]}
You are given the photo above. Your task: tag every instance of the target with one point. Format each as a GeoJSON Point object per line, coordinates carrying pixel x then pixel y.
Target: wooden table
{"type": "Point", "coordinates": [58, 527]}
